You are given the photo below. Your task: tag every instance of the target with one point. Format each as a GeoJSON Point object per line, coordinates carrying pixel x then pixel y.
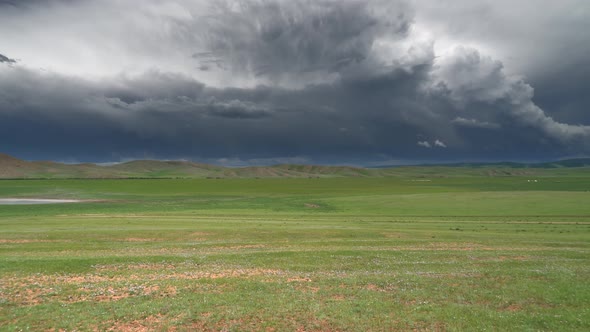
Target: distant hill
{"type": "Point", "coordinates": [13, 168]}
{"type": "Point", "coordinates": [579, 162]}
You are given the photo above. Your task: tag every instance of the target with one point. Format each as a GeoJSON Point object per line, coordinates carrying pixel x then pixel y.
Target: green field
{"type": "Point", "coordinates": [333, 254]}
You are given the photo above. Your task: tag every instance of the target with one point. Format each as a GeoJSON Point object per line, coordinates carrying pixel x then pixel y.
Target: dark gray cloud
{"type": "Point", "coordinates": [471, 78]}
{"type": "Point", "coordinates": [318, 81]}
{"type": "Point", "coordinates": [357, 119]}
{"type": "Point", "coordinates": [564, 93]}
{"type": "Point", "coordinates": [299, 41]}
{"type": "Point", "coordinates": [6, 59]}
{"type": "Point", "coordinates": [544, 41]}
{"type": "Point", "coordinates": [238, 109]}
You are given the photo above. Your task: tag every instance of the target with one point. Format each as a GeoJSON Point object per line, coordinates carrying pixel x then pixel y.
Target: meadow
{"type": "Point", "coordinates": [473, 253]}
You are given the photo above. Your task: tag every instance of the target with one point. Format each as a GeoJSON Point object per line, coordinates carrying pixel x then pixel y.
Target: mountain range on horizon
{"type": "Point", "coordinates": [14, 168]}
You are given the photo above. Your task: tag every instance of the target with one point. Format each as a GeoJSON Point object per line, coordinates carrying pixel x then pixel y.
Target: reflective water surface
{"type": "Point", "coordinates": [30, 201]}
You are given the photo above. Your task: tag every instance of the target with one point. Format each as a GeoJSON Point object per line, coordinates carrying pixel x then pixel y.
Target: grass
{"type": "Point", "coordinates": [380, 254]}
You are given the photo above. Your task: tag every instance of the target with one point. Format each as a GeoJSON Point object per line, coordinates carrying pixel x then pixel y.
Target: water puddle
{"type": "Point", "coordinates": [31, 201]}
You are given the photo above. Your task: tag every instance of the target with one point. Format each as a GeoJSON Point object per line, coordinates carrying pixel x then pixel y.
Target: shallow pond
{"type": "Point", "coordinates": [31, 201]}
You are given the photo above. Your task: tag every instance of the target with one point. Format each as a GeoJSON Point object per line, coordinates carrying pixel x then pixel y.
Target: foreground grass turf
{"type": "Point", "coordinates": [298, 254]}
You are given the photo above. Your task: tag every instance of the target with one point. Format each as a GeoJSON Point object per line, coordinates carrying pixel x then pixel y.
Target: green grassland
{"type": "Point", "coordinates": [419, 252]}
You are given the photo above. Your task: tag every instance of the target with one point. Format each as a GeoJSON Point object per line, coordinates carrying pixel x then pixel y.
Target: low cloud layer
{"type": "Point", "coordinates": [321, 81]}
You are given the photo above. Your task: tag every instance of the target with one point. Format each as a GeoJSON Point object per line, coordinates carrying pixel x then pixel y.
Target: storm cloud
{"type": "Point", "coordinates": [320, 81]}
{"type": "Point", "coordinates": [6, 59]}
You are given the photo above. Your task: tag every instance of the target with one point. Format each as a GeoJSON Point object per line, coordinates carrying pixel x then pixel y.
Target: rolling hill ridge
{"type": "Point", "coordinates": [14, 168]}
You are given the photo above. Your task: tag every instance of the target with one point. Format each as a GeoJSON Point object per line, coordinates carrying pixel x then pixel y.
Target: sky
{"type": "Point", "coordinates": [257, 82]}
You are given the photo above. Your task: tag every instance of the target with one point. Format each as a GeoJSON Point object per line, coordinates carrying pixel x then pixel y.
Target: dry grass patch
{"type": "Point", "coordinates": [38, 289]}
{"type": "Point", "coordinates": [299, 279]}
{"type": "Point", "coordinates": [16, 241]}
{"type": "Point", "coordinates": [150, 323]}
{"type": "Point", "coordinates": [393, 235]}
{"type": "Point", "coordinates": [136, 266]}
{"type": "Point", "coordinates": [139, 239]}
{"type": "Point", "coordinates": [236, 247]}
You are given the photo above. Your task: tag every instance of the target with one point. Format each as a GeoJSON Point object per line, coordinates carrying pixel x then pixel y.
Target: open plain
{"type": "Point", "coordinates": [425, 253]}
